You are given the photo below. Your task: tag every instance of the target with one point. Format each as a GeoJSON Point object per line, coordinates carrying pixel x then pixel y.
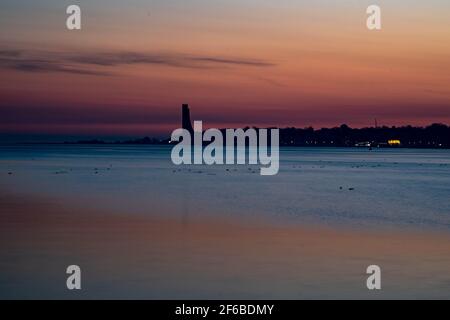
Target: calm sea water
{"type": "Point", "coordinates": [386, 188]}
{"type": "Point", "coordinates": [141, 227]}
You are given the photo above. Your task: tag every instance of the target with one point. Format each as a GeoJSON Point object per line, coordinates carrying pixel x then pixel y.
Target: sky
{"type": "Point", "coordinates": [236, 62]}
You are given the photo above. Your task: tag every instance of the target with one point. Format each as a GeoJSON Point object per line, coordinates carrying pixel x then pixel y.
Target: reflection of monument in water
{"type": "Point", "coordinates": [186, 193]}
{"type": "Point", "coordinates": [186, 118]}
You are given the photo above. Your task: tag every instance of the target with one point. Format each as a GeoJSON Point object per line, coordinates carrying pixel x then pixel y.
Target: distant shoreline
{"type": "Point", "coordinates": [434, 136]}
{"type": "Point", "coordinates": [105, 143]}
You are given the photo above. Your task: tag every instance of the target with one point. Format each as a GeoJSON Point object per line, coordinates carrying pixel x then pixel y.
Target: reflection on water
{"type": "Point", "coordinates": [140, 227]}
{"type": "Point", "coordinates": [348, 187]}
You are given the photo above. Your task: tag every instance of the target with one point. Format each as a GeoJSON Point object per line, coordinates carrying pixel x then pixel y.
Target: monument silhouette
{"type": "Point", "coordinates": [436, 135]}
{"type": "Point", "coordinates": [186, 118]}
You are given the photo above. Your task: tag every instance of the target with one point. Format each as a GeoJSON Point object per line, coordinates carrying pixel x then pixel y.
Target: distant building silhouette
{"type": "Point", "coordinates": [433, 136]}
{"type": "Point", "coordinates": [186, 118]}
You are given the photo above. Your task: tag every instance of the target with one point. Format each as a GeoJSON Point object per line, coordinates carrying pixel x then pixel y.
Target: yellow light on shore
{"type": "Point", "coordinates": [394, 142]}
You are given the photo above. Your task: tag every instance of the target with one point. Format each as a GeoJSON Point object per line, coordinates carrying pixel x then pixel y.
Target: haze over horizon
{"type": "Point", "coordinates": [237, 63]}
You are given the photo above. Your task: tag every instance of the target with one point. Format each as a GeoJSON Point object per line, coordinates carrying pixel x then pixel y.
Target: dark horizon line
{"type": "Point", "coordinates": [435, 134]}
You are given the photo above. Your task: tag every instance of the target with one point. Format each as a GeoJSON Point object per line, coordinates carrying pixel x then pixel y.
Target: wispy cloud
{"type": "Point", "coordinates": [50, 66]}
{"type": "Point", "coordinates": [40, 62]}
{"type": "Point", "coordinates": [245, 62]}
{"type": "Point", "coordinates": [10, 53]}
{"type": "Point", "coordinates": [169, 59]}
{"type": "Point", "coordinates": [103, 63]}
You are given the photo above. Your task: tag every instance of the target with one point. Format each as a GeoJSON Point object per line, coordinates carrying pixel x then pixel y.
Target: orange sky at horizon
{"type": "Point", "coordinates": [237, 64]}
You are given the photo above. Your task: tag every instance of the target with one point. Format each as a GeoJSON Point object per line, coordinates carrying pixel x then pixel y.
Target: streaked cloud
{"type": "Point", "coordinates": [47, 61]}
